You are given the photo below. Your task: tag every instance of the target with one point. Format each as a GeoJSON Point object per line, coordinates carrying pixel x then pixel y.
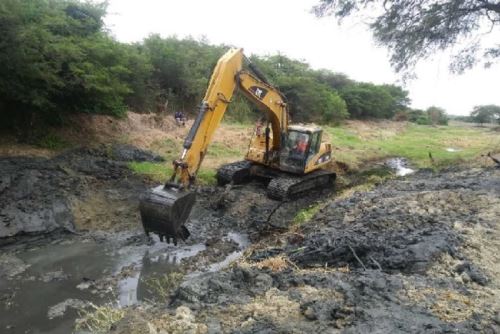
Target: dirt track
{"type": "Point", "coordinates": [415, 254]}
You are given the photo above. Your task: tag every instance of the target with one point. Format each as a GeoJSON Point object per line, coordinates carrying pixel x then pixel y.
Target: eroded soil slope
{"type": "Point", "coordinates": [45, 195]}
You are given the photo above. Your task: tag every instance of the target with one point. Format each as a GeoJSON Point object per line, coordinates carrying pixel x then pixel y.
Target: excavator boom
{"type": "Point", "coordinates": [165, 209]}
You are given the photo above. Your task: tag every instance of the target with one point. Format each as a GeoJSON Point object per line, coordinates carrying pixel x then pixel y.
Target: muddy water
{"type": "Point", "coordinates": [67, 274]}
{"type": "Point", "coordinates": [400, 166]}
{"type": "Point", "coordinates": [53, 276]}
{"type": "Point", "coordinates": [452, 149]}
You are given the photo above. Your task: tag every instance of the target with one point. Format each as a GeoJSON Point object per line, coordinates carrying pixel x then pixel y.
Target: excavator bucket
{"type": "Point", "coordinates": [164, 210]}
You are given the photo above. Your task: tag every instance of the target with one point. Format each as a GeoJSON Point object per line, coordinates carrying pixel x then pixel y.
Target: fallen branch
{"type": "Point", "coordinates": [494, 159]}
{"type": "Point", "coordinates": [376, 263]}
{"type": "Point", "coordinates": [356, 256]}
{"type": "Point", "coordinates": [268, 221]}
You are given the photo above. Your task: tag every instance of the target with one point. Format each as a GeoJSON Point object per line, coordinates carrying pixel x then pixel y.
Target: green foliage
{"type": "Point", "coordinates": [309, 100]}
{"type": "Point", "coordinates": [437, 115]}
{"type": "Point", "coordinates": [318, 94]}
{"type": "Point", "coordinates": [52, 142]}
{"type": "Point", "coordinates": [413, 30]}
{"type": "Point", "coordinates": [182, 69]}
{"type": "Point", "coordinates": [423, 120]}
{"type": "Point", "coordinates": [415, 114]}
{"type": "Point", "coordinates": [432, 116]}
{"type": "Point", "coordinates": [309, 96]}
{"type": "Point", "coordinates": [306, 214]}
{"type": "Point", "coordinates": [486, 114]}
{"type": "Point", "coordinates": [58, 59]}
{"type": "Point", "coordinates": [240, 111]}
{"type": "Point", "coordinates": [365, 100]}
{"type": "Point", "coordinates": [162, 285]}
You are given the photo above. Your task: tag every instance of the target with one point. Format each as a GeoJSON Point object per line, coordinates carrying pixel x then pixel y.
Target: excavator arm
{"type": "Point", "coordinates": [227, 76]}
{"type": "Point", "coordinates": [164, 209]}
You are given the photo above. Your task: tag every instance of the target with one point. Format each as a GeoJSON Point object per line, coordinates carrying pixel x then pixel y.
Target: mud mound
{"type": "Point", "coordinates": [414, 255]}
{"type": "Point", "coordinates": [399, 227]}
{"type": "Point", "coordinates": [38, 195]}
{"type": "Point", "coordinates": [247, 300]}
{"type": "Point", "coordinates": [123, 152]}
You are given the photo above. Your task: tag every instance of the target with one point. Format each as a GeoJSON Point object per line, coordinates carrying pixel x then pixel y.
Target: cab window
{"type": "Point", "coordinates": [315, 142]}
{"type": "Point", "coordinates": [297, 142]}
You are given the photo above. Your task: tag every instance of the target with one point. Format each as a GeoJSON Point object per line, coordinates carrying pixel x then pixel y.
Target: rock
{"type": "Point", "coordinates": [472, 273]}
{"type": "Point", "coordinates": [52, 276]}
{"type": "Point", "coordinates": [310, 314]}
{"type": "Point", "coordinates": [133, 323]}
{"type": "Point", "coordinates": [11, 266]}
{"type": "Point", "coordinates": [465, 277]}
{"type": "Point", "coordinates": [59, 309]}
{"type": "Point", "coordinates": [496, 318]}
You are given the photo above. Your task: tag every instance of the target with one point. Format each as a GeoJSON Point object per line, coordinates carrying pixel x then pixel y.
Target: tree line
{"type": "Point", "coordinates": [57, 58]}
{"type": "Point", "coordinates": [482, 114]}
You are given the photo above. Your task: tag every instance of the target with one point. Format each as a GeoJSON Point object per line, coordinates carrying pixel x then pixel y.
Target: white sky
{"type": "Point", "coordinates": [267, 26]}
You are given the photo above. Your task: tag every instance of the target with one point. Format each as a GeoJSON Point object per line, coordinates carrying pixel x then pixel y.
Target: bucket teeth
{"type": "Point", "coordinates": [164, 211]}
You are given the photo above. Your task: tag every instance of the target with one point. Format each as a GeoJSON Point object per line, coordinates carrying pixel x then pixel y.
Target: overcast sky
{"type": "Point", "coordinates": [268, 26]}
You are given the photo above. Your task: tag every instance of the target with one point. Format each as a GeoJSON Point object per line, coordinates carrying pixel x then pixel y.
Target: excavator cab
{"type": "Point", "coordinates": [301, 144]}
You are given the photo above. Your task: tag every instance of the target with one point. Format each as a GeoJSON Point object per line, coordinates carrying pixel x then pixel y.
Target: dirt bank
{"type": "Point", "coordinates": [82, 187]}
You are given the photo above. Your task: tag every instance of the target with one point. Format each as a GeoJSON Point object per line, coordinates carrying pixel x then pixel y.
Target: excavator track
{"type": "Point", "coordinates": [236, 173]}
{"type": "Point", "coordinates": [289, 187]}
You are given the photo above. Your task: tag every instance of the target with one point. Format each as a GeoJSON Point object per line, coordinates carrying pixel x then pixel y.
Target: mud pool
{"type": "Point", "coordinates": [67, 274]}
{"type": "Point", "coordinates": [400, 166]}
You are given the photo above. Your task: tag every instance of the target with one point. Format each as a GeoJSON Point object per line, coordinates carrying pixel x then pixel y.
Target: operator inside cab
{"type": "Point", "coordinates": [300, 145]}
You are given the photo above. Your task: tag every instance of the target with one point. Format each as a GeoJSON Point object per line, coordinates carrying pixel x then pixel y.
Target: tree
{"type": "Point", "coordinates": [400, 97]}
{"type": "Point", "coordinates": [56, 58]}
{"type": "Point", "coordinates": [413, 30]}
{"type": "Point", "coordinates": [312, 101]}
{"type": "Point", "coordinates": [437, 115]}
{"type": "Point", "coordinates": [336, 81]}
{"type": "Point", "coordinates": [486, 113]}
{"type": "Point", "coordinates": [182, 69]}
{"type": "Point", "coordinates": [365, 100]}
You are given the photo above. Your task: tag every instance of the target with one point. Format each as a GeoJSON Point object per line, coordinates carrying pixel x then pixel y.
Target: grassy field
{"type": "Point", "coordinates": [355, 143]}
{"type": "Point", "coordinates": [447, 144]}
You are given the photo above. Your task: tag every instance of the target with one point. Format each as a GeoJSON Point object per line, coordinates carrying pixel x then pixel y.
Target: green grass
{"type": "Point", "coordinates": [306, 214]}
{"type": "Point", "coordinates": [219, 150]}
{"type": "Point", "coordinates": [167, 148]}
{"type": "Point", "coordinates": [415, 143]}
{"type": "Point", "coordinates": [161, 286]}
{"type": "Point", "coordinates": [52, 141]}
{"type": "Point", "coordinates": [161, 172]}
{"type": "Point", "coordinates": [99, 319]}
{"type": "Point", "coordinates": [356, 150]}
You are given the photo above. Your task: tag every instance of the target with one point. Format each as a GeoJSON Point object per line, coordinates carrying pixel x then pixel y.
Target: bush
{"type": "Point", "coordinates": [423, 120]}
{"type": "Point", "coordinates": [401, 116]}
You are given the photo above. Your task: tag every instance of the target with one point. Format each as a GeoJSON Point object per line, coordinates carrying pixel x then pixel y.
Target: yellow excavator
{"type": "Point", "coordinates": [292, 157]}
